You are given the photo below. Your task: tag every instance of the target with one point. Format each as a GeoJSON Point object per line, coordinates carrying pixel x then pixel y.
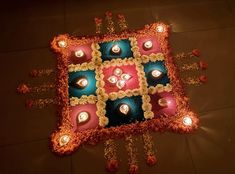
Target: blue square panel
{"type": "Point", "coordinates": [82, 83]}
{"type": "Point", "coordinates": [115, 49]}
{"type": "Point", "coordinates": [156, 73]}
{"type": "Point", "coordinates": [114, 111]}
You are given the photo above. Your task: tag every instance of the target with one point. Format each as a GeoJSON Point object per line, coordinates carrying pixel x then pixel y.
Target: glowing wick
{"type": "Point", "coordinates": [124, 108]}
{"type": "Point", "coordinates": [160, 28]}
{"type": "Point", "coordinates": [148, 45]}
{"type": "Point", "coordinates": [79, 53]}
{"type": "Point", "coordinates": [116, 49]}
{"type": "Point", "coordinates": [82, 83]}
{"type": "Point", "coordinates": [112, 79]}
{"type": "Point", "coordinates": [120, 84]}
{"type": "Point", "coordinates": [83, 117]}
{"type": "Point", "coordinates": [125, 76]}
{"type": "Point", "coordinates": [118, 71]}
{"type": "Point", "coordinates": [62, 44]}
{"type": "Point", "coordinates": [156, 73]}
{"type": "Point", "coordinates": [64, 139]}
{"type": "Point", "coordinates": [187, 121]}
{"type": "Point", "coordinates": [163, 102]}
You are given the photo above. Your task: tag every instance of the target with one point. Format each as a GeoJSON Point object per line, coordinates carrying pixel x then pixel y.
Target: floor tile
{"type": "Point", "coordinates": [135, 18]}
{"type": "Point", "coordinates": [30, 33]}
{"type": "Point", "coordinates": [217, 47]}
{"type": "Point", "coordinates": [20, 124]}
{"type": "Point", "coordinates": [87, 156]}
{"type": "Point", "coordinates": [195, 16]}
{"type": "Point", "coordinates": [231, 6]}
{"type": "Point", "coordinates": [31, 9]}
{"type": "Point", "coordinates": [92, 6]}
{"type": "Point", "coordinates": [30, 24]}
{"type": "Point", "coordinates": [173, 155]}
{"type": "Point", "coordinates": [211, 145]}
{"type": "Point", "coordinates": [31, 158]}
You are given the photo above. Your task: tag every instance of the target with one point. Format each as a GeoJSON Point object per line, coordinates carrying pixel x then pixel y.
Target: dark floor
{"type": "Point", "coordinates": [26, 29]}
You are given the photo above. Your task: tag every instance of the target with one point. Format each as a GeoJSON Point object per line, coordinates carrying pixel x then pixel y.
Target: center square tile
{"type": "Point", "coordinates": [115, 49]}
{"type": "Point", "coordinates": [156, 73]}
{"type": "Point", "coordinates": [120, 78]}
{"type": "Point", "coordinates": [83, 117]}
{"type": "Point", "coordinates": [124, 111]}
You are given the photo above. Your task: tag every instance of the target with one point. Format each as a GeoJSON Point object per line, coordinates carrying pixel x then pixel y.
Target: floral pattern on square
{"type": "Point", "coordinates": [120, 78]}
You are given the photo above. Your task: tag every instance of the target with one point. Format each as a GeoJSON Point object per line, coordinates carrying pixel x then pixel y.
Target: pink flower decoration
{"type": "Point", "coordinates": [203, 78]}
{"type": "Point", "coordinates": [196, 52]}
{"type": "Point", "coordinates": [202, 65]}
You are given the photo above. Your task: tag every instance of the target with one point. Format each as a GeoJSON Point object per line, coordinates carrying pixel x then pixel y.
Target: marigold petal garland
{"type": "Point", "coordinates": [41, 72]}
{"type": "Point", "coordinates": [132, 158]}
{"type": "Point", "coordinates": [110, 155]}
{"type": "Point", "coordinates": [149, 149]}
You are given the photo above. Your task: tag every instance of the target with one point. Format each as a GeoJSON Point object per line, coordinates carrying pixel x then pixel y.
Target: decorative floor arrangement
{"type": "Point", "coordinates": [117, 85]}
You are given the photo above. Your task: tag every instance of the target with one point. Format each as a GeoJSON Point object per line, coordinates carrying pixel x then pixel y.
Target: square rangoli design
{"type": "Point", "coordinates": [123, 82]}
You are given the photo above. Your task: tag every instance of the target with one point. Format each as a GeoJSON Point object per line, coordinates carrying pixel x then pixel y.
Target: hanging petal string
{"type": "Point", "coordinates": [132, 155]}
{"type": "Point", "coordinates": [122, 22]}
{"type": "Point", "coordinates": [195, 80]}
{"type": "Point", "coordinates": [149, 149]}
{"type": "Point", "coordinates": [193, 53]}
{"type": "Point", "coordinates": [40, 103]}
{"type": "Point", "coordinates": [24, 88]}
{"type": "Point", "coordinates": [110, 154]}
{"type": "Point", "coordinates": [110, 23]}
{"type": "Point", "coordinates": [201, 65]}
{"type": "Point", "coordinates": [41, 72]}
{"type": "Point", "coordinates": [98, 25]}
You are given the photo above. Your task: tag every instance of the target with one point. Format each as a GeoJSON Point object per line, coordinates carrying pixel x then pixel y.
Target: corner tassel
{"type": "Point", "coordinates": [39, 103]}
{"type": "Point", "coordinates": [98, 25]}
{"type": "Point", "coordinates": [41, 72]}
{"type": "Point", "coordinates": [195, 80]}
{"type": "Point", "coordinates": [201, 65]}
{"type": "Point", "coordinates": [122, 22]}
{"type": "Point", "coordinates": [110, 23]}
{"type": "Point", "coordinates": [110, 154]}
{"type": "Point", "coordinates": [149, 149]}
{"type": "Point", "coordinates": [24, 88]}
{"type": "Point", "coordinates": [193, 53]}
{"type": "Point", "coordinates": [131, 152]}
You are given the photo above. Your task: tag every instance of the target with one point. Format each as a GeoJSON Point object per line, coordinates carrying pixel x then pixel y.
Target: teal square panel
{"type": "Point", "coordinates": [82, 83]}
{"type": "Point", "coordinates": [116, 49]}
{"type": "Point", "coordinates": [161, 73]}
{"type": "Point", "coordinates": [117, 118]}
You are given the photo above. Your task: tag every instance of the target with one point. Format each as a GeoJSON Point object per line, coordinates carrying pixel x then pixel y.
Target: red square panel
{"type": "Point", "coordinates": [163, 104]}
{"type": "Point", "coordinates": [91, 123]}
{"type": "Point", "coordinates": [155, 45]}
{"type": "Point", "coordinates": [86, 49]}
{"type": "Point", "coordinates": [132, 83]}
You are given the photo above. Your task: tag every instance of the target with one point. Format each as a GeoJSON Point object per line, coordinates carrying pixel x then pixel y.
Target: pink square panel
{"type": "Point", "coordinates": [163, 104]}
{"type": "Point", "coordinates": [92, 121]}
{"type": "Point", "coordinates": [86, 49]}
{"type": "Point", "coordinates": [131, 83]}
{"type": "Point", "coordinates": [155, 45]}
